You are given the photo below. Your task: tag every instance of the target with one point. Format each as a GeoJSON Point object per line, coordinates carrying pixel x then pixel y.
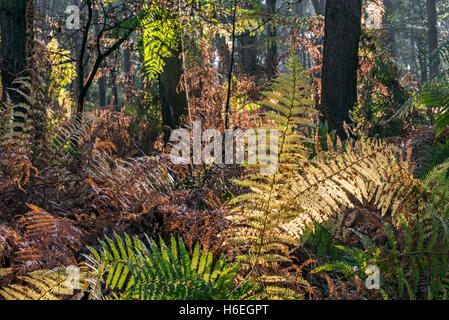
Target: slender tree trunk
{"type": "Point", "coordinates": [248, 54]}
{"type": "Point", "coordinates": [271, 62]}
{"type": "Point", "coordinates": [225, 60]}
{"type": "Point", "coordinates": [102, 79]}
{"type": "Point", "coordinates": [174, 104]}
{"type": "Point", "coordinates": [323, 6]}
{"type": "Point", "coordinates": [340, 61]}
{"type": "Point", "coordinates": [127, 71]}
{"type": "Point", "coordinates": [433, 37]}
{"type": "Point", "coordinates": [13, 52]}
{"type": "Point", "coordinates": [43, 9]}
{"type": "Point", "coordinates": [422, 61]}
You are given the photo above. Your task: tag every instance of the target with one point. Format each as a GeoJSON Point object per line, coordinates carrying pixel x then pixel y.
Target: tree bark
{"type": "Point", "coordinates": [433, 37]}
{"type": "Point", "coordinates": [102, 79]}
{"type": "Point", "coordinates": [13, 51]}
{"type": "Point", "coordinates": [174, 104]}
{"type": "Point", "coordinates": [271, 62]}
{"type": "Point", "coordinates": [340, 61]}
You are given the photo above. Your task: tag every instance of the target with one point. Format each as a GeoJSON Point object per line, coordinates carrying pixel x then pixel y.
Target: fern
{"type": "Point", "coordinates": [130, 184]}
{"type": "Point", "coordinates": [441, 54]}
{"type": "Point", "coordinates": [260, 215]}
{"type": "Point", "coordinates": [40, 285]}
{"type": "Point", "coordinates": [133, 269]}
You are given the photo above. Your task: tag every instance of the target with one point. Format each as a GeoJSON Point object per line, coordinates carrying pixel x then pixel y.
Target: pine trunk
{"type": "Point", "coordinates": [13, 50]}
{"type": "Point", "coordinates": [340, 61]}
{"type": "Point", "coordinates": [433, 37]}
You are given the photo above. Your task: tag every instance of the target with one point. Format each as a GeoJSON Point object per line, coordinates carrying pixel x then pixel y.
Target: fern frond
{"type": "Point", "coordinates": [437, 96]}
{"type": "Point", "coordinates": [436, 184]}
{"type": "Point", "coordinates": [134, 269]}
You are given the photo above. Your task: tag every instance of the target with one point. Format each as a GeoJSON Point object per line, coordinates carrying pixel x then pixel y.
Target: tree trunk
{"type": "Point", "coordinates": [433, 37]}
{"type": "Point", "coordinates": [390, 33]}
{"type": "Point", "coordinates": [102, 79]}
{"type": "Point", "coordinates": [340, 61]}
{"type": "Point", "coordinates": [174, 104]}
{"type": "Point", "coordinates": [271, 63]}
{"type": "Point", "coordinates": [225, 61]}
{"type": "Point", "coordinates": [13, 52]}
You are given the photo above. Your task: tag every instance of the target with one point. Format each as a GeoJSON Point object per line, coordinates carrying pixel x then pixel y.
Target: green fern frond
{"type": "Point", "coordinates": [133, 269]}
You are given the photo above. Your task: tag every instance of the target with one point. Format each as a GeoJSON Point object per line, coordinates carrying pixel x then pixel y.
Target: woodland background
{"type": "Point", "coordinates": [91, 206]}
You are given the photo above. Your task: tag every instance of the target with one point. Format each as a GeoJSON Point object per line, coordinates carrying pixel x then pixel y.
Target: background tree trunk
{"type": "Point", "coordinates": [340, 61]}
{"type": "Point", "coordinates": [102, 79]}
{"type": "Point", "coordinates": [13, 51]}
{"type": "Point", "coordinates": [433, 37]}
{"type": "Point", "coordinates": [317, 7]}
{"type": "Point", "coordinates": [247, 52]}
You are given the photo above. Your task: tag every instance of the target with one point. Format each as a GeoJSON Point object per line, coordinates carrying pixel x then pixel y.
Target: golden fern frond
{"type": "Point", "coordinates": [259, 215]}
{"type": "Point", "coordinates": [367, 170]}
{"type": "Point", "coordinates": [42, 285]}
